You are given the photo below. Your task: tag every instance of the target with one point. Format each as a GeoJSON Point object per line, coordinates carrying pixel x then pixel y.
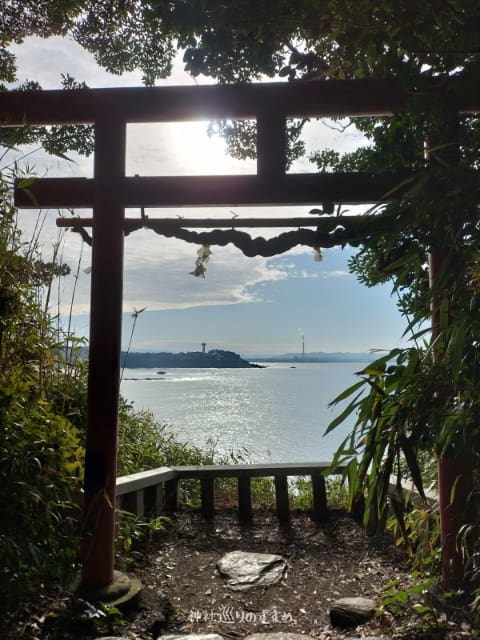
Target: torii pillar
{"type": "Point", "coordinates": [455, 472]}
{"type": "Point", "coordinates": [104, 354]}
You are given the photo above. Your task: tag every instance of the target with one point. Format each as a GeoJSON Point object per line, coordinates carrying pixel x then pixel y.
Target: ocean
{"type": "Point", "coordinates": [274, 414]}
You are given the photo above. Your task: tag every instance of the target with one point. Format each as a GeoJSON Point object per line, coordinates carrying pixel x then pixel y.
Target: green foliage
{"type": "Point", "coordinates": [132, 530]}
{"type": "Point", "coordinates": [414, 606]}
{"type": "Point", "coordinates": [238, 42]}
{"type": "Point", "coordinates": [423, 610]}
{"type": "Point", "coordinates": [469, 542]}
{"type": "Point", "coordinates": [146, 444]}
{"type": "Point", "coordinates": [419, 402]}
{"type": "Point", "coordinates": [391, 408]}
{"type": "Point", "coordinates": [41, 453]}
{"type": "Point", "coordinates": [300, 492]}
{"type": "Point", "coordinates": [400, 424]}
{"type": "Point", "coordinates": [73, 617]}
{"type": "Point", "coordinates": [337, 496]}
{"type": "Point", "coordinates": [241, 138]}
{"type": "Point", "coordinates": [40, 467]}
{"type": "Point", "coordinates": [263, 493]}
{"type": "Point", "coordinates": [55, 140]}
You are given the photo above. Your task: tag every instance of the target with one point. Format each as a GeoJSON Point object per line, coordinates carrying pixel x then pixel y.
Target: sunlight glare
{"type": "Point", "coordinates": [179, 148]}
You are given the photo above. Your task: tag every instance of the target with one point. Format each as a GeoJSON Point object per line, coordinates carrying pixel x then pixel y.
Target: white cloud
{"type": "Point", "coordinates": [337, 273]}
{"type": "Point", "coordinates": [44, 60]}
{"type": "Point", "coordinates": [303, 273]}
{"type": "Point", "coordinates": [157, 275]}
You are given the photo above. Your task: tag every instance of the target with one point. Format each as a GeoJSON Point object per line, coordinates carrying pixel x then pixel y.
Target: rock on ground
{"type": "Point", "coordinates": [191, 636]}
{"type": "Point", "coordinates": [244, 570]}
{"type": "Point", "coordinates": [350, 612]}
{"type": "Point", "coordinates": [280, 635]}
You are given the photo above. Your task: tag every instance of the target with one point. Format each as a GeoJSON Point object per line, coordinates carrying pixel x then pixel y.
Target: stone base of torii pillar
{"type": "Point", "coordinates": [123, 592]}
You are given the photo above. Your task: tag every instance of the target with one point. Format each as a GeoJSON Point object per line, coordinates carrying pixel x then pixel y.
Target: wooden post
{"type": "Point", "coordinates": [455, 484]}
{"type": "Point", "coordinates": [455, 474]}
{"type": "Point", "coordinates": [281, 493]}
{"type": "Point", "coordinates": [135, 503]}
{"type": "Point", "coordinates": [208, 497]}
{"type": "Point", "coordinates": [104, 352]}
{"type": "Point", "coordinates": [244, 498]}
{"type": "Point", "coordinates": [171, 495]}
{"type": "Point", "coordinates": [319, 495]}
{"type": "Point", "coordinates": [271, 144]}
{"type": "Point", "coordinates": [154, 500]}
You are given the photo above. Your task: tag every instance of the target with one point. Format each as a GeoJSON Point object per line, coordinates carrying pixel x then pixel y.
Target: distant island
{"type": "Point", "coordinates": [214, 359]}
{"type": "Point", "coordinates": [219, 359]}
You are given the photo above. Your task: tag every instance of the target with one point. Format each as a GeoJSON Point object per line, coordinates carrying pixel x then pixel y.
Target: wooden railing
{"type": "Point", "coordinates": [156, 491]}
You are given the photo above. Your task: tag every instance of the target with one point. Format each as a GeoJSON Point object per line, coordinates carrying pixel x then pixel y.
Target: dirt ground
{"type": "Point", "coordinates": [324, 562]}
{"type": "Point", "coordinates": [183, 591]}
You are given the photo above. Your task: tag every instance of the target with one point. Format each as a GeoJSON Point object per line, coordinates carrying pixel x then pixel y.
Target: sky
{"type": "Point", "coordinates": [247, 305]}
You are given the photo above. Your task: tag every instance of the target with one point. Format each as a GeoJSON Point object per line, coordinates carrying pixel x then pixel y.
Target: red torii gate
{"type": "Point", "coordinates": [110, 192]}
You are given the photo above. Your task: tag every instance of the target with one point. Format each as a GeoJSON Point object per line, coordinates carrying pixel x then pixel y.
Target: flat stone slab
{"type": "Point", "coordinates": [191, 636]}
{"type": "Point", "coordinates": [350, 612]}
{"type": "Point", "coordinates": [279, 635]}
{"type": "Point", "coordinates": [244, 570]}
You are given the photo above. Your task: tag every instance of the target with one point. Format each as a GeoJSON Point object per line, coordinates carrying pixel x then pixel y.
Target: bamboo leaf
{"type": "Point", "coordinates": [376, 387]}
{"type": "Point", "coordinates": [25, 182]}
{"type": "Point", "coordinates": [413, 465]}
{"type": "Point", "coordinates": [342, 416]}
{"type": "Point", "coordinates": [347, 392]}
{"type": "Point", "coordinates": [369, 371]}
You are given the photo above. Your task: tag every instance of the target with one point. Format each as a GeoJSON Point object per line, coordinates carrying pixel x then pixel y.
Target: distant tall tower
{"type": "Point", "coordinates": [303, 347]}
{"type": "Point", "coordinates": [204, 344]}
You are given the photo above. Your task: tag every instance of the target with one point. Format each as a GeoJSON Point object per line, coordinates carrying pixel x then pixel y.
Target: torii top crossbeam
{"type": "Point", "coordinates": [269, 104]}
{"type": "Point", "coordinates": [110, 192]}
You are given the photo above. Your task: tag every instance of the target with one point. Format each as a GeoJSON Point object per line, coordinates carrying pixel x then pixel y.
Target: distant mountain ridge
{"type": "Point", "coordinates": [217, 358]}
{"type": "Point", "coordinates": [314, 356]}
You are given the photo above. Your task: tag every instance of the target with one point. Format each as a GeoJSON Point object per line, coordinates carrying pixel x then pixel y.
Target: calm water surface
{"type": "Point", "coordinates": [276, 414]}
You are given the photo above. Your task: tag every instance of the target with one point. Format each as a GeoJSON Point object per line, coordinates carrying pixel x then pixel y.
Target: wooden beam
{"type": "Point", "coordinates": [173, 104]}
{"type": "Point", "coordinates": [217, 191]}
{"type": "Point", "coordinates": [321, 98]}
{"type": "Point", "coordinates": [143, 479]}
{"type": "Point", "coordinates": [218, 223]}
{"type": "Point", "coordinates": [253, 470]}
